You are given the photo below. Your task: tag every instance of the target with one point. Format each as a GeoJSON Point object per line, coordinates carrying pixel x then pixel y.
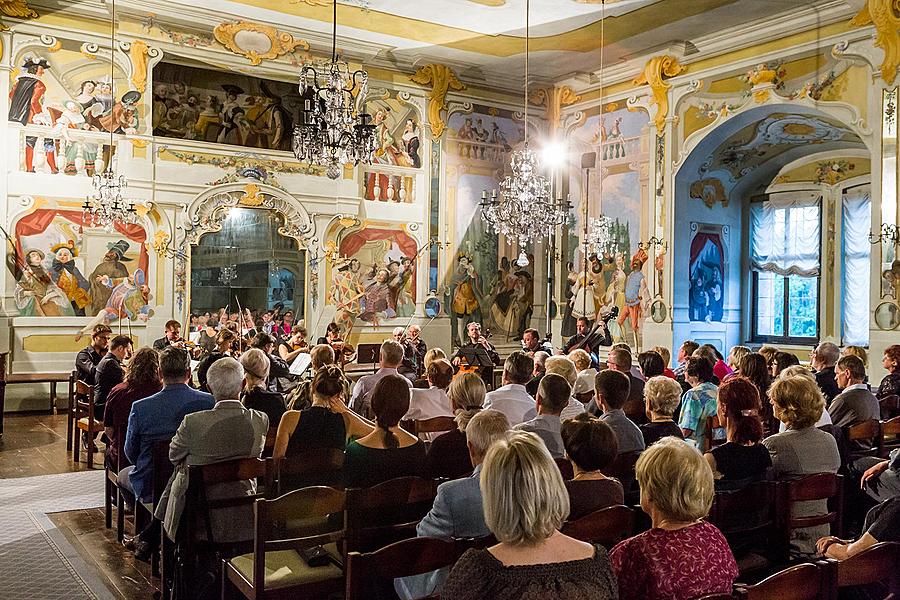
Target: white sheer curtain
{"type": "Point", "coordinates": [785, 234]}
{"type": "Point", "coordinates": [856, 269]}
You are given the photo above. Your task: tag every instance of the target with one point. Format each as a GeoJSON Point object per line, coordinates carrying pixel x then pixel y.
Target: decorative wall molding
{"type": "Point", "coordinates": [553, 99]}
{"type": "Point", "coordinates": [18, 9]}
{"type": "Point", "coordinates": [255, 41]}
{"type": "Point", "coordinates": [883, 15]}
{"type": "Point", "coordinates": [656, 69]}
{"type": "Point", "coordinates": [442, 79]}
{"type": "Point", "coordinates": [142, 58]}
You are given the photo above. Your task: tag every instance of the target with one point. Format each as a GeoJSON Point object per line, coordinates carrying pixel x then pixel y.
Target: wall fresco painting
{"type": "Point", "coordinates": [397, 130]}
{"type": "Point", "coordinates": [707, 273]}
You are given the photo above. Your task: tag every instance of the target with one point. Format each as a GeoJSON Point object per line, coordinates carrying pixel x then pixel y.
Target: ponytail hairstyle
{"type": "Point", "coordinates": [328, 382]}
{"type": "Point", "coordinates": [390, 401]}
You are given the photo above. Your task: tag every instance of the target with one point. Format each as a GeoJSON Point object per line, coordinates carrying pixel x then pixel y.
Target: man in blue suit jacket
{"type": "Point", "coordinates": [457, 511]}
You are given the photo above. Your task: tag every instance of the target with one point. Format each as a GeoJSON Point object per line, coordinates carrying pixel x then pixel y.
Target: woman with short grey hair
{"type": "Point", "coordinates": [525, 503]}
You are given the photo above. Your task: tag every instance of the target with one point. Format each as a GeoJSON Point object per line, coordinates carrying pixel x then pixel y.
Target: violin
{"type": "Point", "coordinates": [344, 352]}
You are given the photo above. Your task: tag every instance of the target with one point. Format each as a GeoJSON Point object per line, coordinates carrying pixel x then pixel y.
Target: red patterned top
{"type": "Point", "coordinates": [674, 565]}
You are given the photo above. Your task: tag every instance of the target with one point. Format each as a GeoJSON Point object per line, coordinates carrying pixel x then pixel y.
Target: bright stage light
{"type": "Point", "coordinates": [553, 155]}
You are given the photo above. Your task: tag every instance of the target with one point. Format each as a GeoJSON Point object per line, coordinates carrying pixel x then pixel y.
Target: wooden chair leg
{"type": "Point", "coordinates": [107, 501]}
{"type": "Point", "coordinates": [76, 446]}
{"type": "Point", "coordinates": [90, 452]}
{"type": "Point", "coordinates": [53, 397]}
{"type": "Point", "coordinates": [70, 423]}
{"type": "Point", "coordinates": [120, 515]}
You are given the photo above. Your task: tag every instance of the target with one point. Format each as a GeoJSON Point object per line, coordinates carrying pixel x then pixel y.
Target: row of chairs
{"type": "Point", "coordinates": [824, 580]}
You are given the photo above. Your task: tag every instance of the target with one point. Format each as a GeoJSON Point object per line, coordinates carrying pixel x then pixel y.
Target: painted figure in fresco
{"type": "Point", "coordinates": [525, 306]}
{"type": "Point", "coordinates": [274, 125]}
{"type": "Point", "coordinates": [636, 295]}
{"type": "Point", "coordinates": [109, 273]}
{"type": "Point", "coordinates": [68, 278]}
{"type": "Point", "coordinates": [411, 143]}
{"type": "Point", "coordinates": [378, 296]}
{"type": "Point", "coordinates": [387, 152]}
{"type": "Point", "coordinates": [122, 118]}
{"type": "Point", "coordinates": [346, 292]}
{"type": "Point", "coordinates": [231, 114]}
{"type": "Point", "coordinates": [401, 287]}
{"type": "Point", "coordinates": [160, 105]}
{"type": "Point", "coordinates": [36, 295]}
{"type": "Point", "coordinates": [25, 103]}
{"type": "Point", "coordinates": [569, 321]}
{"type": "Point", "coordinates": [73, 118]}
{"type": "Point", "coordinates": [464, 295]}
{"type": "Point", "coordinates": [129, 300]}
{"type": "Point", "coordinates": [210, 115]}
{"type": "Point", "coordinates": [583, 303]}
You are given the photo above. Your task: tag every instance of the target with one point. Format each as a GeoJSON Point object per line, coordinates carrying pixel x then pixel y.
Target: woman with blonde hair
{"type": "Point", "coordinates": [448, 455]}
{"type": "Point", "coordinates": [682, 555]}
{"type": "Point", "coordinates": [662, 396]}
{"type": "Point", "coordinates": [735, 356]}
{"type": "Point", "coordinates": [431, 355]}
{"type": "Point", "coordinates": [255, 394]}
{"type": "Point", "coordinates": [802, 449]}
{"type": "Point", "coordinates": [525, 503]}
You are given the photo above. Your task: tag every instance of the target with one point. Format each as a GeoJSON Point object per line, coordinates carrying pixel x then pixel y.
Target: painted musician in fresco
{"type": "Point", "coordinates": [68, 278]}
{"type": "Point", "coordinates": [26, 107]}
{"type": "Point", "coordinates": [108, 274]}
{"type": "Point", "coordinates": [36, 295]}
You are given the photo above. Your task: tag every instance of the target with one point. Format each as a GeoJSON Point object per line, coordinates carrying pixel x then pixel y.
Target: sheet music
{"type": "Point", "coordinates": [301, 363]}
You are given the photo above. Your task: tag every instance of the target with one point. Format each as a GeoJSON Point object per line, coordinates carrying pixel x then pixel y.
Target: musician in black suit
{"type": "Point", "coordinates": [532, 342]}
{"type": "Point", "coordinates": [478, 344]}
{"type": "Point", "coordinates": [589, 339]}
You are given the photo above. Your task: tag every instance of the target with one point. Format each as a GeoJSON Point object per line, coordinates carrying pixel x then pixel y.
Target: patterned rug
{"type": "Point", "coordinates": [36, 560]}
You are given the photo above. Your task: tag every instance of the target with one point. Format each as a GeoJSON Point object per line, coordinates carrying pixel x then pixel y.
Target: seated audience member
{"type": "Point", "coordinates": [457, 512]}
{"type": "Point", "coordinates": [735, 356]}
{"type": "Point", "coordinates": [742, 459]}
{"type": "Point", "coordinates": [590, 446]}
{"type": "Point", "coordinates": [87, 359]}
{"type": "Point", "coordinates": [666, 356]}
{"type": "Point", "coordinates": [448, 455]}
{"type": "Point", "coordinates": [801, 371]}
{"type": "Point", "coordinates": [227, 431]}
{"type": "Point", "coordinates": [753, 366]}
{"type": "Point", "coordinates": [882, 524]}
{"type": "Point", "coordinates": [512, 399]}
{"type": "Point", "coordinates": [583, 390]}
{"type": "Point", "coordinates": [681, 556]}
{"type": "Point", "coordinates": [651, 364]}
{"type": "Point", "coordinates": [662, 395]}
{"type": "Point", "coordinates": [823, 360]}
{"type": "Point", "coordinates": [612, 390]}
{"type": "Point", "coordinates": [685, 351]}
{"type": "Point", "coordinates": [619, 359]}
{"type": "Point", "coordinates": [391, 357]}
{"type": "Point", "coordinates": [553, 396]}
{"type": "Point", "coordinates": [890, 385]}
{"type": "Point", "coordinates": [768, 353]}
{"type": "Point", "coordinates": [278, 368]}
{"type": "Point", "coordinates": [326, 423]}
{"type": "Point", "coordinates": [880, 478]}
{"type": "Point", "coordinates": [407, 366]}
{"type": "Point", "coordinates": [255, 395]}
{"type": "Point", "coordinates": [540, 358]}
{"type": "Point", "coordinates": [110, 372]}
{"type": "Point", "coordinates": [141, 380]}
{"type": "Point", "coordinates": [433, 402]}
{"type": "Point", "coordinates": [389, 451]}
{"type": "Point", "coordinates": [562, 365]}
{"type": "Point", "coordinates": [225, 340]}
{"type": "Point", "coordinates": [855, 403]}
{"type": "Point", "coordinates": [699, 402]}
{"type": "Point", "coordinates": [172, 335]}
{"type": "Point", "coordinates": [781, 361]}
{"type": "Point", "coordinates": [301, 396]}
{"type": "Point", "coordinates": [802, 449]}
{"type": "Point", "coordinates": [712, 354]}
{"type": "Point", "coordinates": [431, 355]}
{"type": "Point", "coordinates": [525, 504]}
{"type": "Point", "coordinates": [857, 351]}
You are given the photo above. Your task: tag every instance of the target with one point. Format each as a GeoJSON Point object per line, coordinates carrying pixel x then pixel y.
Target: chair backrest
{"type": "Point", "coordinates": [372, 575]}
{"type": "Point", "coordinates": [84, 398]}
{"type": "Point", "coordinates": [802, 582]}
{"type": "Point", "coordinates": [319, 466]}
{"type": "Point", "coordinates": [890, 406]}
{"type": "Point", "coordinates": [200, 477]}
{"type": "Point", "coordinates": [565, 468]}
{"type": "Point", "coordinates": [297, 520]}
{"type": "Point", "coordinates": [622, 468]}
{"type": "Point", "coordinates": [878, 563]}
{"type": "Point", "coordinates": [749, 510]}
{"type": "Point", "coordinates": [162, 468]}
{"type": "Point", "coordinates": [891, 427]}
{"type": "Point", "coordinates": [867, 430]}
{"type": "Point", "coordinates": [607, 526]}
{"type": "Point", "coordinates": [712, 423]}
{"type": "Point", "coordinates": [386, 512]}
{"type": "Point", "coordinates": [819, 486]}
{"type": "Point", "coordinates": [434, 425]}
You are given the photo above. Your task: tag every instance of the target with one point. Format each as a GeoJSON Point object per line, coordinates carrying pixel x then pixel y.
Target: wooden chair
{"type": "Point", "coordinates": [372, 575]}
{"type": "Point", "coordinates": [276, 568]}
{"type": "Point", "coordinates": [746, 514]}
{"type": "Point", "coordinates": [890, 436]}
{"type": "Point", "coordinates": [802, 582]}
{"type": "Point", "coordinates": [607, 526]}
{"type": "Point", "coordinates": [320, 466]}
{"type": "Point", "coordinates": [111, 490]}
{"type": "Point", "coordinates": [877, 564]}
{"type": "Point", "coordinates": [890, 407]}
{"type": "Point", "coordinates": [70, 411]}
{"type": "Point", "coordinates": [622, 468]}
{"type": "Point", "coordinates": [868, 433]}
{"type": "Point", "coordinates": [565, 468]}
{"type": "Point", "coordinates": [712, 423]}
{"type": "Point", "coordinates": [434, 425]}
{"type": "Point", "coordinates": [819, 486]}
{"type": "Point", "coordinates": [270, 442]}
{"type": "Point", "coordinates": [386, 513]}
{"type": "Point", "coordinates": [84, 421]}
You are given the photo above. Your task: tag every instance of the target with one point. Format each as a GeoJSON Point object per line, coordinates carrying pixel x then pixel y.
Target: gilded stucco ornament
{"type": "Point", "coordinates": [138, 52]}
{"type": "Point", "coordinates": [656, 69]}
{"type": "Point", "coordinates": [885, 16]}
{"type": "Point", "coordinates": [255, 41]}
{"type": "Point", "coordinates": [553, 99]}
{"type": "Point", "coordinates": [16, 8]}
{"type": "Point", "coordinates": [442, 79]}
{"type": "Point", "coordinates": [251, 196]}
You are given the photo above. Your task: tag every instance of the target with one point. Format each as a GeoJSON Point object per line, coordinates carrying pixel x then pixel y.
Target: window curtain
{"type": "Point", "coordinates": [856, 265]}
{"type": "Point", "coordinates": [785, 234]}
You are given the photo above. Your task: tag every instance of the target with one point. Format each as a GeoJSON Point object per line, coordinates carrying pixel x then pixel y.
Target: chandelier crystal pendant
{"type": "Point", "coordinates": [524, 212]}
{"type": "Point", "coordinates": [599, 237]}
{"type": "Point", "coordinates": [334, 128]}
{"type": "Point", "coordinates": [105, 206]}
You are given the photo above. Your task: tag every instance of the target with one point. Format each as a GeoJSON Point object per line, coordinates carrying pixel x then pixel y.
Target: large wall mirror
{"type": "Point", "coordinates": [248, 262]}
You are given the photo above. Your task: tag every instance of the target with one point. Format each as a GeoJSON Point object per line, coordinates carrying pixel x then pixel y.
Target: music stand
{"type": "Point", "coordinates": [368, 354]}
{"type": "Point", "coordinates": [477, 356]}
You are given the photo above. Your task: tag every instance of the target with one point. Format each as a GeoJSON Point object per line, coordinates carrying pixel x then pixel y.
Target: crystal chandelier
{"type": "Point", "coordinates": [599, 237]}
{"type": "Point", "coordinates": [227, 274]}
{"type": "Point", "coordinates": [332, 132]}
{"type": "Point", "coordinates": [105, 206]}
{"type": "Point", "coordinates": [524, 212]}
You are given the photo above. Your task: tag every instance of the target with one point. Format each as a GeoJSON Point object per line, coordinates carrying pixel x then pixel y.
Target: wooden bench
{"type": "Point", "coordinates": [13, 378]}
